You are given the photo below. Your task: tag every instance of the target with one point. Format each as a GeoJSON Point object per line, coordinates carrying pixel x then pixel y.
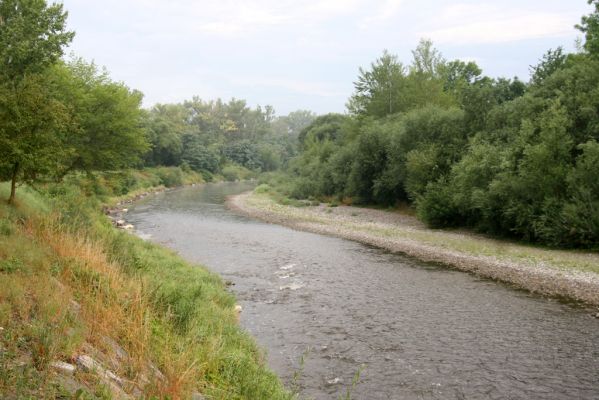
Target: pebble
{"type": "Point", "coordinates": [334, 381]}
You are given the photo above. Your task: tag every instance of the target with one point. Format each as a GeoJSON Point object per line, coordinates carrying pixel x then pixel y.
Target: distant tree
{"type": "Point", "coordinates": [198, 156]}
{"type": "Point", "coordinates": [32, 37]}
{"type": "Point", "coordinates": [458, 74]}
{"type": "Point", "coordinates": [325, 127]}
{"type": "Point", "coordinates": [427, 60]}
{"type": "Point", "coordinates": [166, 124]}
{"type": "Point", "coordinates": [292, 123]}
{"type": "Point", "coordinates": [378, 91]}
{"type": "Point", "coordinates": [552, 61]}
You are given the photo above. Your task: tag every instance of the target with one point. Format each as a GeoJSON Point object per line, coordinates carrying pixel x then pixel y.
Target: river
{"type": "Point", "coordinates": [414, 330]}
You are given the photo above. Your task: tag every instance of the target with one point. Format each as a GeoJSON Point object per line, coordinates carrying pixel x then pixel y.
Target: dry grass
{"type": "Point", "coordinates": [165, 328]}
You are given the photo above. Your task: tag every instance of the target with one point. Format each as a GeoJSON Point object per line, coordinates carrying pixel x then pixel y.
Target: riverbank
{"type": "Point", "coordinates": [569, 274]}
{"type": "Point", "coordinates": [88, 311]}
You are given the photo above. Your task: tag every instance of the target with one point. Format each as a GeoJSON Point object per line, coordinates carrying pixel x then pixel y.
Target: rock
{"type": "Point", "coordinates": [124, 210]}
{"type": "Point", "coordinates": [120, 353]}
{"type": "Point", "coordinates": [63, 367]}
{"type": "Point", "coordinates": [128, 227]}
{"type": "Point", "coordinates": [334, 381]}
{"type": "Point", "coordinates": [156, 372]}
{"type": "Point", "coordinates": [75, 307]}
{"type": "Point", "coordinates": [238, 308]}
{"type": "Point", "coordinates": [88, 364]}
{"type": "Point", "coordinates": [120, 222]}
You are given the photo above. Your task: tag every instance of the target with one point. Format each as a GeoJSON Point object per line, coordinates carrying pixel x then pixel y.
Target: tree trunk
{"type": "Point", "coordinates": [13, 184]}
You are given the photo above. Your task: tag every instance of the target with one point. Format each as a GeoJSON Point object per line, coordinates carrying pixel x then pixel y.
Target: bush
{"type": "Point", "coordinates": [170, 176]}
{"type": "Point", "coordinates": [436, 207]}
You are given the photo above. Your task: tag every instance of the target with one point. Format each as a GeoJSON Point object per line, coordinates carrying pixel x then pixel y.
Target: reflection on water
{"type": "Point", "coordinates": [421, 332]}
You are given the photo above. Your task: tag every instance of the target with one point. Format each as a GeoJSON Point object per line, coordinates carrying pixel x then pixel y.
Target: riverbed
{"type": "Point", "coordinates": [413, 330]}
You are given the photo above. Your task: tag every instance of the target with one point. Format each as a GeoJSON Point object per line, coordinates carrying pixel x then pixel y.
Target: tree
{"type": "Point", "coordinates": [32, 139]}
{"type": "Point", "coordinates": [378, 91]}
{"type": "Point", "coordinates": [166, 124]}
{"type": "Point", "coordinates": [108, 115]}
{"type": "Point", "coordinates": [32, 37]}
{"type": "Point", "coordinates": [552, 61]}
{"type": "Point", "coordinates": [589, 25]}
{"type": "Point", "coordinates": [428, 60]}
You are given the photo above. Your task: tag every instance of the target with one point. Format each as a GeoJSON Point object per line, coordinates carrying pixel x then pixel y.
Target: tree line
{"type": "Point", "coordinates": [62, 116]}
{"type": "Point", "coordinates": [503, 156]}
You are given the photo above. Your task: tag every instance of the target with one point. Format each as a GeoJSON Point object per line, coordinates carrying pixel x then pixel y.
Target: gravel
{"type": "Point", "coordinates": [405, 234]}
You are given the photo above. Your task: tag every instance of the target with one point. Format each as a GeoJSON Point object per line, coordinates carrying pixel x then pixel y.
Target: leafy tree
{"type": "Point", "coordinates": [108, 115]}
{"type": "Point", "coordinates": [552, 61]}
{"type": "Point", "coordinates": [458, 74]}
{"type": "Point", "coordinates": [293, 123]}
{"type": "Point", "coordinates": [198, 156]}
{"type": "Point", "coordinates": [166, 124]}
{"type": "Point", "coordinates": [589, 25]}
{"type": "Point", "coordinates": [427, 61]}
{"type": "Point", "coordinates": [32, 139]}
{"type": "Point", "coordinates": [325, 127]}
{"type": "Point", "coordinates": [378, 91]}
{"type": "Point", "coordinates": [32, 37]}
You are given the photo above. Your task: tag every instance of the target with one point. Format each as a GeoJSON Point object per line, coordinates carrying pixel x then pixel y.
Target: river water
{"type": "Point", "coordinates": [414, 330]}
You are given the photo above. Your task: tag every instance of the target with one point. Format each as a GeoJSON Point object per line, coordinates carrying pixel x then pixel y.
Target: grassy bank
{"type": "Point", "coordinates": [73, 288]}
{"type": "Point", "coordinates": [571, 274]}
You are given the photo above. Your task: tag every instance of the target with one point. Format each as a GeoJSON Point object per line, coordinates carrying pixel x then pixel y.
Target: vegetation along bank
{"type": "Point", "coordinates": [91, 312]}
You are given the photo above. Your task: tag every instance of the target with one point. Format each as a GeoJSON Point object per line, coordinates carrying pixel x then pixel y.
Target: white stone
{"type": "Point", "coordinates": [90, 365]}
{"type": "Point", "coordinates": [63, 367]}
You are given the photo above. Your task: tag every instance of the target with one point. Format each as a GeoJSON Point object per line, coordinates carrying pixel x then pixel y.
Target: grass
{"type": "Point", "coordinates": [71, 284]}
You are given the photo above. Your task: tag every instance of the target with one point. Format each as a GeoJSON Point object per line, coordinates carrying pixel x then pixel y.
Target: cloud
{"type": "Point", "coordinates": [388, 10]}
{"type": "Point", "coordinates": [296, 86]}
{"type": "Point", "coordinates": [236, 17]}
{"type": "Point", "coordinates": [486, 24]}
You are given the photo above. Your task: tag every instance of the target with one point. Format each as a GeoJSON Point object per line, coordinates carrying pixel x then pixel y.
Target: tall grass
{"type": "Point", "coordinates": [71, 284]}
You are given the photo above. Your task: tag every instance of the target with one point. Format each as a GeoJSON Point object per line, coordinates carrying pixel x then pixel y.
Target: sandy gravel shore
{"type": "Point", "coordinates": [570, 274]}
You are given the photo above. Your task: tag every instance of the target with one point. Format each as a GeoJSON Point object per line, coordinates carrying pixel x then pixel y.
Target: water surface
{"type": "Point", "coordinates": [415, 330]}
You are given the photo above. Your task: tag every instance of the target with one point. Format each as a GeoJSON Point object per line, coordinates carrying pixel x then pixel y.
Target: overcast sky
{"type": "Point", "coordinates": [304, 54]}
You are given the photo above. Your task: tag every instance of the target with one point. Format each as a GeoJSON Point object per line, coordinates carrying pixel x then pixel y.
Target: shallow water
{"type": "Point", "coordinates": [415, 331]}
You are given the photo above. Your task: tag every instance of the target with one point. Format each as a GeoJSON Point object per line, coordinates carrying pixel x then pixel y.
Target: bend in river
{"type": "Point", "coordinates": [415, 331]}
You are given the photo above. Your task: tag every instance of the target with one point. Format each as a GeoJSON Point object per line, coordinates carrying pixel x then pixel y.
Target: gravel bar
{"type": "Point", "coordinates": [548, 272]}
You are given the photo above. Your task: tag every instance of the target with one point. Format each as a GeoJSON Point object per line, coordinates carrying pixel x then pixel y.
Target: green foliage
{"type": "Point", "coordinates": [589, 25]}
{"type": "Point", "coordinates": [32, 37]}
{"type": "Point", "coordinates": [107, 117]}
{"type": "Point", "coordinates": [233, 172]}
{"type": "Point", "coordinates": [378, 91]}
{"type": "Point", "coordinates": [198, 156]}
{"type": "Point", "coordinates": [33, 122]}
{"type": "Point", "coordinates": [499, 155]}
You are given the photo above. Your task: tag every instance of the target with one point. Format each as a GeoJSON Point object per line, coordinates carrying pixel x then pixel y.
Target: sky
{"type": "Point", "coordinates": [304, 54]}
